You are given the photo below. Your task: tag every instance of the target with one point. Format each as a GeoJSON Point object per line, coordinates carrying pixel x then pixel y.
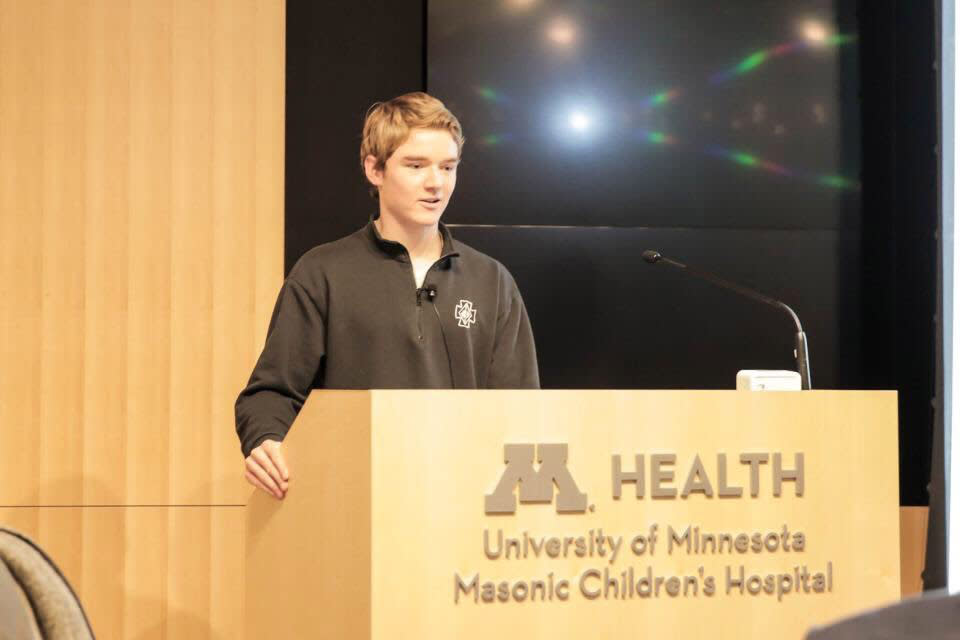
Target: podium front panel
{"type": "Point", "coordinates": [496, 514]}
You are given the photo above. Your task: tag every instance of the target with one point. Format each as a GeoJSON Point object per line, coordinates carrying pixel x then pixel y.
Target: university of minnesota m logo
{"type": "Point", "coordinates": [536, 486]}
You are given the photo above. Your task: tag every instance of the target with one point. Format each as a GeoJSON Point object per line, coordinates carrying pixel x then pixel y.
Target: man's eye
{"type": "Point", "coordinates": [415, 166]}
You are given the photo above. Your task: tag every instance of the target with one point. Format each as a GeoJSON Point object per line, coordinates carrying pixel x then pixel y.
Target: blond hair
{"type": "Point", "coordinates": [388, 125]}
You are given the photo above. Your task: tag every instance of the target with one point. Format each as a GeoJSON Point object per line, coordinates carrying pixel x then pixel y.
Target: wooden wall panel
{"type": "Point", "coordinates": [192, 237]}
{"type": "Point", "coordinates": [913, 548]}
{"type": "Point", "coordinates": [141, 249]}
{"type": "Point", "coordinates": [141, 239]}
{"type": "Point", "coordinates": [148, 265]}
{"type": "Point", "coordinates": [21, 179]}
{"type": "Point", "coordinates": [151, 573]}
{"type": "Point", "coordinates": [60, 226]}
{"type": "Point", "coordinates": [235, 240]}
{"type": "Point", "coordinates": [105, 241]}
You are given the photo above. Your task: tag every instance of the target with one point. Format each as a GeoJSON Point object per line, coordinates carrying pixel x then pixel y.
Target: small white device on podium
{"type": "Point", "coordinates": [760, 380]}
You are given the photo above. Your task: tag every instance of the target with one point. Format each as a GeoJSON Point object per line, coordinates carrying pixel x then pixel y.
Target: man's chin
{"type": "Point", "coordinates": [426, 217]}
{"type": "Point", "coordinates": [418, 216]}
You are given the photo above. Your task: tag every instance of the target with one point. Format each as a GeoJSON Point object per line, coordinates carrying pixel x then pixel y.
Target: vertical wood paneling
{"type": "Point", "coordinates": [149, 256]}
{"type": "Point", "coordinates": [188, 586]}
{"type": "Point", "coordinates": [234, 246]}
{"type": "Point", "coordinates": [145, 572]}
{"type": "Point", "coordinates": [21, 179]}
{"type": "Point", "coordinates": [63, 54]}
{"type": "Point", "coordinates": [141, 240]}
{"type": "Point", "coordinates": [269, 174]}
{"type": "Point", "coordinates": [143, 612]}
{"type": "Point", "coordinates": [104, 549]}
{"type": "Point", "coordinates": [227, 572]}
{"type": "Point", "coordinates": [191, 296]}
{"type": "Point", "coordinates": [107, 229]}
{"type": "Point", "coordinates": [913, 548]}
{"type": "Point", "coordinates": [260, 271]}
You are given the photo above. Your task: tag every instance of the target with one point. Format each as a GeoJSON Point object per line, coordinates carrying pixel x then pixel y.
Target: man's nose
{"type": "Point", "coordinates": [434, 178]}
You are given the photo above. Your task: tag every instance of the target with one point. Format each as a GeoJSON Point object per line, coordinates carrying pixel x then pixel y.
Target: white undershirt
{"type": "Point", "coordinates": [420, 265]}
{"type": "Point", "coordinates": [420, 268]}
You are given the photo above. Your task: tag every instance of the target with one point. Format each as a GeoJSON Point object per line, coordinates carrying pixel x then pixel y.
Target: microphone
{"type": "Point", "coordinates": [800, 341]}
{"type": "Point", "coordinates": [429, 290]}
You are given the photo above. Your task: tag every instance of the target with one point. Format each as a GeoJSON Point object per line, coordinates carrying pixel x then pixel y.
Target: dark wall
{"type": "Point", "coordinates": [878, 274]}
{"type": "Point", "coordinates": [571, 212]}
{"type": "Point", "coordinates": [341, 58]}
{"type": "Point", "coordinates": [900, 217]}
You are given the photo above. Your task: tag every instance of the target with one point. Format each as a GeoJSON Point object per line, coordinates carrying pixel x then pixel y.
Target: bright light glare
{"type": "Point", "coordinates": [815, 32]}
{"type": "Point", "coordinates": [561, 31]}
{"type": "Point", "coordinates": [579, 121]}
{"type": "Point", "coordinates": [520, 5]}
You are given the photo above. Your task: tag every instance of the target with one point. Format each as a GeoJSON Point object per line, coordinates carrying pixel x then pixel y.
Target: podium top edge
{"type": "Point", "coordinates": [605, 391]}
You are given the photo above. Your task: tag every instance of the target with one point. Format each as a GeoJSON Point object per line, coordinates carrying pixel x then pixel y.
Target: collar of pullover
{"type": "Point", "coordinates": [398, 252]}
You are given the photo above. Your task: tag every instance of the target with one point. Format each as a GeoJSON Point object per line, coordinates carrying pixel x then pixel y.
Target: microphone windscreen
{"type": "Point", "coordinates": [651, 256]}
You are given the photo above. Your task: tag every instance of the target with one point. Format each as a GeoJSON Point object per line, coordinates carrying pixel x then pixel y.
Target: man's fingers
{"type": "Point", "coordinates": [261, 474]}
{"type": "Point", "coordinates": [261, 457]}
{"type": "Point", "coordinates": [252, 479]}
{"type": "Point", "coordinates": [276, 456]}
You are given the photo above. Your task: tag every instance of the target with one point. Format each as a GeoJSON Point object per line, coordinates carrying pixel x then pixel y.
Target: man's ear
{"type": "Point", "coordinates": [374, 175]}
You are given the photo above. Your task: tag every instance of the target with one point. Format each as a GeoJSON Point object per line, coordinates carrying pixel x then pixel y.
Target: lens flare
{"type": "Point", "coordinates": [663, 97]}
{"type": "Point", "coordinates": [579, 121]}
{"type": "Point", "coordinates": [520, 5]}
{"type": "Point", "coordinates": [656, 137]}
{"type": "Point", "coordinates": [562, 32]}
{"type": "Point", "coordinates": [815, 32]}
{"type": "Point", "coordinates": [759, 58]}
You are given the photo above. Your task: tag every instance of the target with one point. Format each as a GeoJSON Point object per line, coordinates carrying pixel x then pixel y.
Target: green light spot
{"type": "Point", "coordinates": [838, 182]}
{"type": "Point", "coordinates": [661, 98]}
{"type": "Point", "coordinates": [840, 38]}
{"type": "Point", "coordinates": [751, 62]}
{"type": "Point", "coordinates": [656, 137]}
{"type": "Point", "coordinates": [745, 159]}
{"type": "Point", "coordinates": [488, 93]}
{"type": "Point", "coordinates": [491, 139]}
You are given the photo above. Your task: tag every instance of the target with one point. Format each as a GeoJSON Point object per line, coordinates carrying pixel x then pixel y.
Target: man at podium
{"type": "Point", "coordinates": [347, 316]}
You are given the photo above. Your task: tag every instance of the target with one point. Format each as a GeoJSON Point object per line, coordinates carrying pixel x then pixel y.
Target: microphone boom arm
{"type": "Point", "coordinates": [800, 351]}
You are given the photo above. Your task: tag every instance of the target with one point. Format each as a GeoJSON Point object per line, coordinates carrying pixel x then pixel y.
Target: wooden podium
{"type": "Point", "coordinates": [496, 515]}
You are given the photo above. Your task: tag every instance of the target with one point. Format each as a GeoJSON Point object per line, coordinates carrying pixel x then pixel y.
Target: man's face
{"type": "Point", "coordinates": [418, 180]}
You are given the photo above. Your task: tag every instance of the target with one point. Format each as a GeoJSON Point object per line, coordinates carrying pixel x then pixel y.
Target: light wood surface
{"type": "Point", "coordinates": [913, 548]}
{"type": "Point", "coordinates": [141, 251]}
{"type": "Point", "coordinates": [141, 243]}
{"type": "Point", "coordinates": [149, 573]}
{"type": "Point", "coordinates": [431, 457]}
{"type": "Point", "coordinates": [332, 495]}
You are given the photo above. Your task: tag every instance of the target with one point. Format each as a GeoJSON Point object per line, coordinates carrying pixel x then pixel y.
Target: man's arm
{"type": "Point", "coordinates": [514, 363]}
{"type": "Point", "coordinates": [279, 385]}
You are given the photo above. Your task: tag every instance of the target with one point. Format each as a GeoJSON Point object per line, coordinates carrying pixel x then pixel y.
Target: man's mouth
{"type": "Point", "coordinates": [430, 200]}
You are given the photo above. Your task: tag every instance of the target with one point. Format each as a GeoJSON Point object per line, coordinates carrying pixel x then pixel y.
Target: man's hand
{"type": "Point", "coordinates": [266, 469]}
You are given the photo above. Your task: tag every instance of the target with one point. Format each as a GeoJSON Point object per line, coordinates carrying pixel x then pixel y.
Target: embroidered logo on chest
{"type": "Point", "coordinates": [465, 314]}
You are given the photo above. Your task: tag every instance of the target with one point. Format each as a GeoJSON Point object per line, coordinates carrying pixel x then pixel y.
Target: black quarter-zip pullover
{"type": "Point", "coordinates": [349, 316]}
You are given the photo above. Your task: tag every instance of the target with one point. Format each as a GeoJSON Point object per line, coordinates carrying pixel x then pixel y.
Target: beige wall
{"type": "Point", "coordinates": [141, 248]}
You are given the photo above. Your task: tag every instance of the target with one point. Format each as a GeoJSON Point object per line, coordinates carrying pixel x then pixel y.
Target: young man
{"type": "Point", "coordinates": [398, 304]}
